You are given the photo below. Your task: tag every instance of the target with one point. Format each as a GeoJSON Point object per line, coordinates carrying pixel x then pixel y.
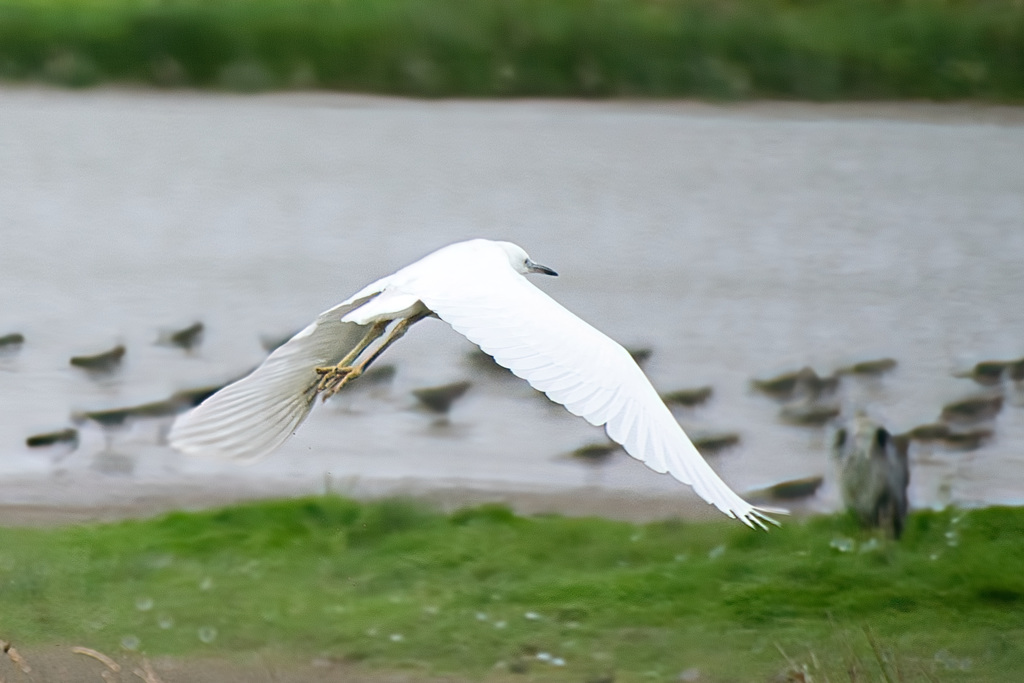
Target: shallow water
{"type": "Point", "coordinates": [734, 241]}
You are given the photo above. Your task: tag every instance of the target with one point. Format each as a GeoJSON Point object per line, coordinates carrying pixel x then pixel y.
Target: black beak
{"type": "Point", "coordinates": [537, 268]}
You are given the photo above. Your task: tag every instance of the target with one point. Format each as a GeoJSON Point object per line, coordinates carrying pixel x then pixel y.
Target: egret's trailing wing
{"type": "Point", "coordinates": [578, 366]}
{"type": "Point", "coordinates": [250, 418]}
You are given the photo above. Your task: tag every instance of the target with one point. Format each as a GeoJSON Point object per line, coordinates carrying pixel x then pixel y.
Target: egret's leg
{"type": "Point", "coordinates": [336, 378]}
{"type": "Point", "coordinates": [396, 333]}
{"type": "Point", "coordinates": [338, 374]}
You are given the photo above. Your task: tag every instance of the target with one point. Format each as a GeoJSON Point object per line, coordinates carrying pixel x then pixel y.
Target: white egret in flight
{"type": "Point", "coordinates": [478, 287]}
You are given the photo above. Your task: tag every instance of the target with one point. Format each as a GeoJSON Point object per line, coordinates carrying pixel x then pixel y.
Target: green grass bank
{"type": "Point", "coordinates": [484, 593]}
{"type": "Point", "coordinates": [715, 49]}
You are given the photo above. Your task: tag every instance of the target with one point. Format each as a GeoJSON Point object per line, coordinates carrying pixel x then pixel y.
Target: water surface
{"type": "Point", "coordinates": [733, 241]}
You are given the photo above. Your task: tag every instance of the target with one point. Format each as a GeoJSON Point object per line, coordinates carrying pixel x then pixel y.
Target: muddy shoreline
{"type": "Point", "coordinates": [35, 502]}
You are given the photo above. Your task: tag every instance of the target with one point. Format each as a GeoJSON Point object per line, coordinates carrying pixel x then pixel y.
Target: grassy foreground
{"type": "Point", "coordinates": [481, 592]}
{"type": "Point", "coordinates": [719, 49]}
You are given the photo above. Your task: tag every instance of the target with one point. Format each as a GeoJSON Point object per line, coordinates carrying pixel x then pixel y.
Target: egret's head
{"type": "Point", "coordinates": [521, 261]}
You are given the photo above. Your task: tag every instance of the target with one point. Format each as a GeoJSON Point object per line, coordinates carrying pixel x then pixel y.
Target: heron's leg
{"type": "Point", "coordinates": [338, 374]}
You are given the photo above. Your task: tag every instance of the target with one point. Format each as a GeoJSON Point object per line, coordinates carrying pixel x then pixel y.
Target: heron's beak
{"type": "Point", "coordinates": [532, 267]}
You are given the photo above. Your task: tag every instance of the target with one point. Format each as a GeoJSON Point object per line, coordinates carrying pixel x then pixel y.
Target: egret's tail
{"type": "Point", "coordinates": [250, 418]}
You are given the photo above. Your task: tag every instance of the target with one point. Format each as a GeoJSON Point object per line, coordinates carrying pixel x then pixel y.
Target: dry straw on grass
{"type": "Point", "coordinates": [146, 673]}
{"type": "Point", "coordinates": [98, 656]}
{"type": "Point", "coordinates": [15, 657]}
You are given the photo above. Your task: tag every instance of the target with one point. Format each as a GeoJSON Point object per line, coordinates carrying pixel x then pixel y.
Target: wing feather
{"type": "Point", "coordinates": [577, 400]}
{"type": "Point", "coordinates": [599, 404]}
{"type": "Point", "coordinates": [251, 417]}
{"type": "Point", "coordinates": [592, 376]}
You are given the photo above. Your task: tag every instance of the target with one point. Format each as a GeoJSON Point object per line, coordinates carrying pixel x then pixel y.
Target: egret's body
{"type": "Point", "coordinates": [478, 288]}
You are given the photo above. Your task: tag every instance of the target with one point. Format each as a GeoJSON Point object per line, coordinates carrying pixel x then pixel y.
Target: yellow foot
{"type": "Point", "coordinates": [332, 379]}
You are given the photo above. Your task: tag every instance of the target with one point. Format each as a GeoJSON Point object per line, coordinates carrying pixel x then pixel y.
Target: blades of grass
{"type": "Point", "coordinates": [879, 656]}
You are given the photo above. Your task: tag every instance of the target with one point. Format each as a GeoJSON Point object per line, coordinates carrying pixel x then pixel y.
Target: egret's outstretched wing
{"type": "Point", "coordinates": [249, 418]}
{"type": "Point", "coordinates": [576, 365]}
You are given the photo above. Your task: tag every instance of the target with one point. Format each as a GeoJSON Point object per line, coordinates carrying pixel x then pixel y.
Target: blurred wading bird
{"type": "Point", "coordinates": [874, 472]}
{"type": "Point", "coordinates": [478, 288]}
